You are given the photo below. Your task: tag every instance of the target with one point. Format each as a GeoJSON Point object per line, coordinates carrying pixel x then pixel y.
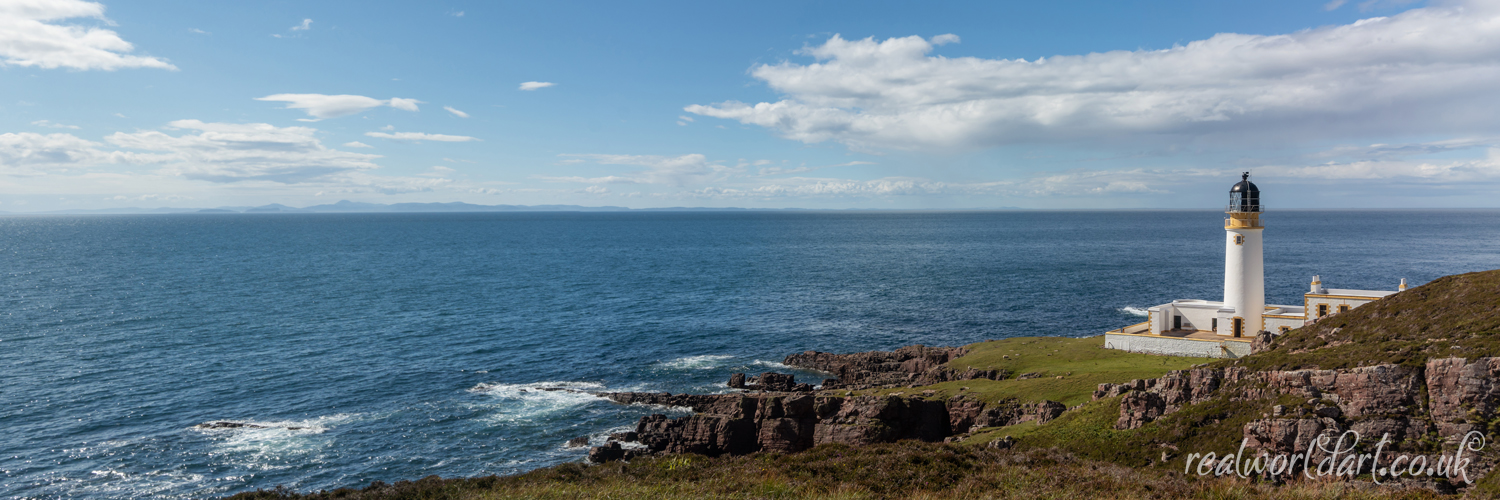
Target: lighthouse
{"type": "Point", "coordinates": [1197, 327]}
{"type": "Point", "coordinates": [1244, 266]}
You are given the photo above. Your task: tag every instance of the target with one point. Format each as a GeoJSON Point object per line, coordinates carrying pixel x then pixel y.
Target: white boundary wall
{"type": "Point", "coordinates": [1169, 346]}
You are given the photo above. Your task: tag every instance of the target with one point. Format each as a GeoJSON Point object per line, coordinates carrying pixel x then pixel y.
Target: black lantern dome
{"type": "Point", "coordinates": [1244, 196]}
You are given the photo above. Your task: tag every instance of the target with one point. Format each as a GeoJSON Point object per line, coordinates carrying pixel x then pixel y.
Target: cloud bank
{"type": "Point", "coordinates": [31, 36]}
{"type": "Point", "coordinates": [1418, 72]}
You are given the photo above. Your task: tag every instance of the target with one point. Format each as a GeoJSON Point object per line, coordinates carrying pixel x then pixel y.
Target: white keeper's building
{"type": "Point", "coordinates": [1224, 329]}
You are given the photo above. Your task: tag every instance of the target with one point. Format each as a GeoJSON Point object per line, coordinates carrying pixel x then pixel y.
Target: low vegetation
{"type": "Point", "coordinates": [1453, 316]}
{"type": "Point", "coordinates": [900, 470]}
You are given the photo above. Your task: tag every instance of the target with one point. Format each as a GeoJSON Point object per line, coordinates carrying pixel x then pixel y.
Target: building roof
{"type": "Point", "coordinates": [1374, 294]}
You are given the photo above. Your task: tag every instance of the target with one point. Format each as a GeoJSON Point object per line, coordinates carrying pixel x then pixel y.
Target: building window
{"type": "Point", "coordinates": [1322, 310]}
{"type": "Point", "coordinates": [1214, 325]}
{"type": "Point", "coordinates": [1343, 308]}
{"type": "Point", "coordinates": [1285, 329]}
{"type": "Point", "coordinates": [1239, 239]}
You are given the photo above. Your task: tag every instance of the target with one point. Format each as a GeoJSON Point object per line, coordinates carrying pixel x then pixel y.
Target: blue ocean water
{"type": "Point", "coordinates": [395, 346]}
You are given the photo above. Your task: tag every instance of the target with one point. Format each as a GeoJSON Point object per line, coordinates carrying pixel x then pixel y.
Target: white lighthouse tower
{"type": "Point", "coordinates": [1244, 266]}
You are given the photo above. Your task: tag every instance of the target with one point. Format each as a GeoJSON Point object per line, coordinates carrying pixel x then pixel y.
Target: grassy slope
{"type": "Point", "coordinates": [900, 470]}
{"type": "Point", "coordinates": [1083, 364]}
{"type": "Point", "coordinates": [1455, 315]}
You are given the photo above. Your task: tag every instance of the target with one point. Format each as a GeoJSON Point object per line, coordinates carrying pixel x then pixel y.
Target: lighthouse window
{"type": "Point", "coordinates": [1343, 308]}
{"type": "Point", "coordinates": [1322, 310]}
{"type": "Point", "coordinates": [1239, 239]}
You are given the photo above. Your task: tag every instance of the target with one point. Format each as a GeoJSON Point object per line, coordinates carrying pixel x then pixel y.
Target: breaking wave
{"type": "Point", "coordinates": [527, 402]}
{"type": "Point", "coordinates": [703, 362]}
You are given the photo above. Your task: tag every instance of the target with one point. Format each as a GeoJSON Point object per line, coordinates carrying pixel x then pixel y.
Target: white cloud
{"type": "Point", "coordinates": [306, 25]}
{"type": "Point", "coordinates": [21, 153]}
{"type": "Point", "coordinates": [233, 152]}
{"type": "Point", "coordinates": [536, 85]}
{"type": "Point", "coordinates": [321, 106]}
{"type": "Point", "coordinates": [609, 179]}
{"type": "Point", "coordinates": [357, 144]}
{"type": "Point", "coordinates": [767, 171]}
{"type": "Point", "coordinates": [1397, 150]}
{"type": "Point", "coordinates": [49, 124]}
{"type": "Point", "coordinates": [673, 170]}
{"type": "Point", "coordinates": [1334, 4]}
{"type": "Point", "coordinates": [595, 190]}
{"type": "Point", "coordinates": [945, 39]}
{"type": "Point", "coordinates": [360, 182]}
{"type": "Point", "coordinates": [455, 112]}
{"type": "Point", "coordinates": [457, 14]}
{"type": "Point", "coordinates": [31, 36]}
{"type": "Point", "coordinates": [198, 31]}
{"type": "Point", "coordinates": [403, 104]}
{"type": "Point", "coordinates": [685, 118]}
{"type": "Point", "coordinates": [1420, 72]}
{"type": "Point", "coordinates": [437, 171]}
{"type": "Point", "coordinates": [419, 136]}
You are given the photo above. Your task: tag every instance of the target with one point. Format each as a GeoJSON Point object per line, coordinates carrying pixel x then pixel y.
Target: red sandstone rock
{"type": "Point", "coordinates": [1461, 394]}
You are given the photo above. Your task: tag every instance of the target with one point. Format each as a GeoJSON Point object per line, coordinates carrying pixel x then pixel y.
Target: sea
{"type": "Point", "coordinates": [365, 347]}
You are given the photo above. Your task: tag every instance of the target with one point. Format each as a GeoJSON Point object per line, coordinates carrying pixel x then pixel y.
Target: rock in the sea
{"type": "Point", "coordinates": [737, 381]}
{"type": "Point", "coordinates": [775, 382]}
{"type": "Point", "coordinates": [626, 437]}
{"type": "Point", "coordinates": [609, 452]}
{"type": "Point", "coordinates": [578, 442]}
{"type": "Point", "coordinates": [222, 424]}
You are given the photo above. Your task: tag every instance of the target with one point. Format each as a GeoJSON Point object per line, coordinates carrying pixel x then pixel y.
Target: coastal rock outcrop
{"type": "Point", "coordinates": [738, 424]}
{"type": "Point", "coordinates": [768, 381]}
{"type": "Point", "coordinates": [966, 414]}
{"type": "Point", "coordinates": [1444, 399]}
{"type": "Point", "coordinates": [1462, 395]}
{"type": "Point", "coordinates": [910, 365]}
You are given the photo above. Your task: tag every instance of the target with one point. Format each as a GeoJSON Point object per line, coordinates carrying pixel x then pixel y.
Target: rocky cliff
{"type": "Point", "coordinates": [908, 366]}
{"type": "Point", "coordinates": [738, 424]}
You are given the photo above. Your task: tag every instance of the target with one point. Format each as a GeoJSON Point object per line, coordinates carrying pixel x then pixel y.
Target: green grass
{"type": "Point", "coordinates": [1082, 363]}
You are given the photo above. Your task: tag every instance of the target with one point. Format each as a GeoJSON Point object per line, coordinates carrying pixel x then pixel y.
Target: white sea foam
{"type": "Point", "coordinates": [526, 402]}
{"type": "Point", "coordinates": [157, 483]}
{"type": "Point", "coordinates": [275, 444]}
{"type": "Point", "coordinates": [772, 364]}
{"type": "Point", "coordinates": [702, 362]}
{"type": "Point", "coordinates": [601, 438]}
{"type": "Point", "coordinates": [1134, 311]}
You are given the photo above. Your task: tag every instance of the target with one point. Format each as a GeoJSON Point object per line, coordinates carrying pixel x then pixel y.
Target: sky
{"type": "Point", "coordinates": [861, 104]}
